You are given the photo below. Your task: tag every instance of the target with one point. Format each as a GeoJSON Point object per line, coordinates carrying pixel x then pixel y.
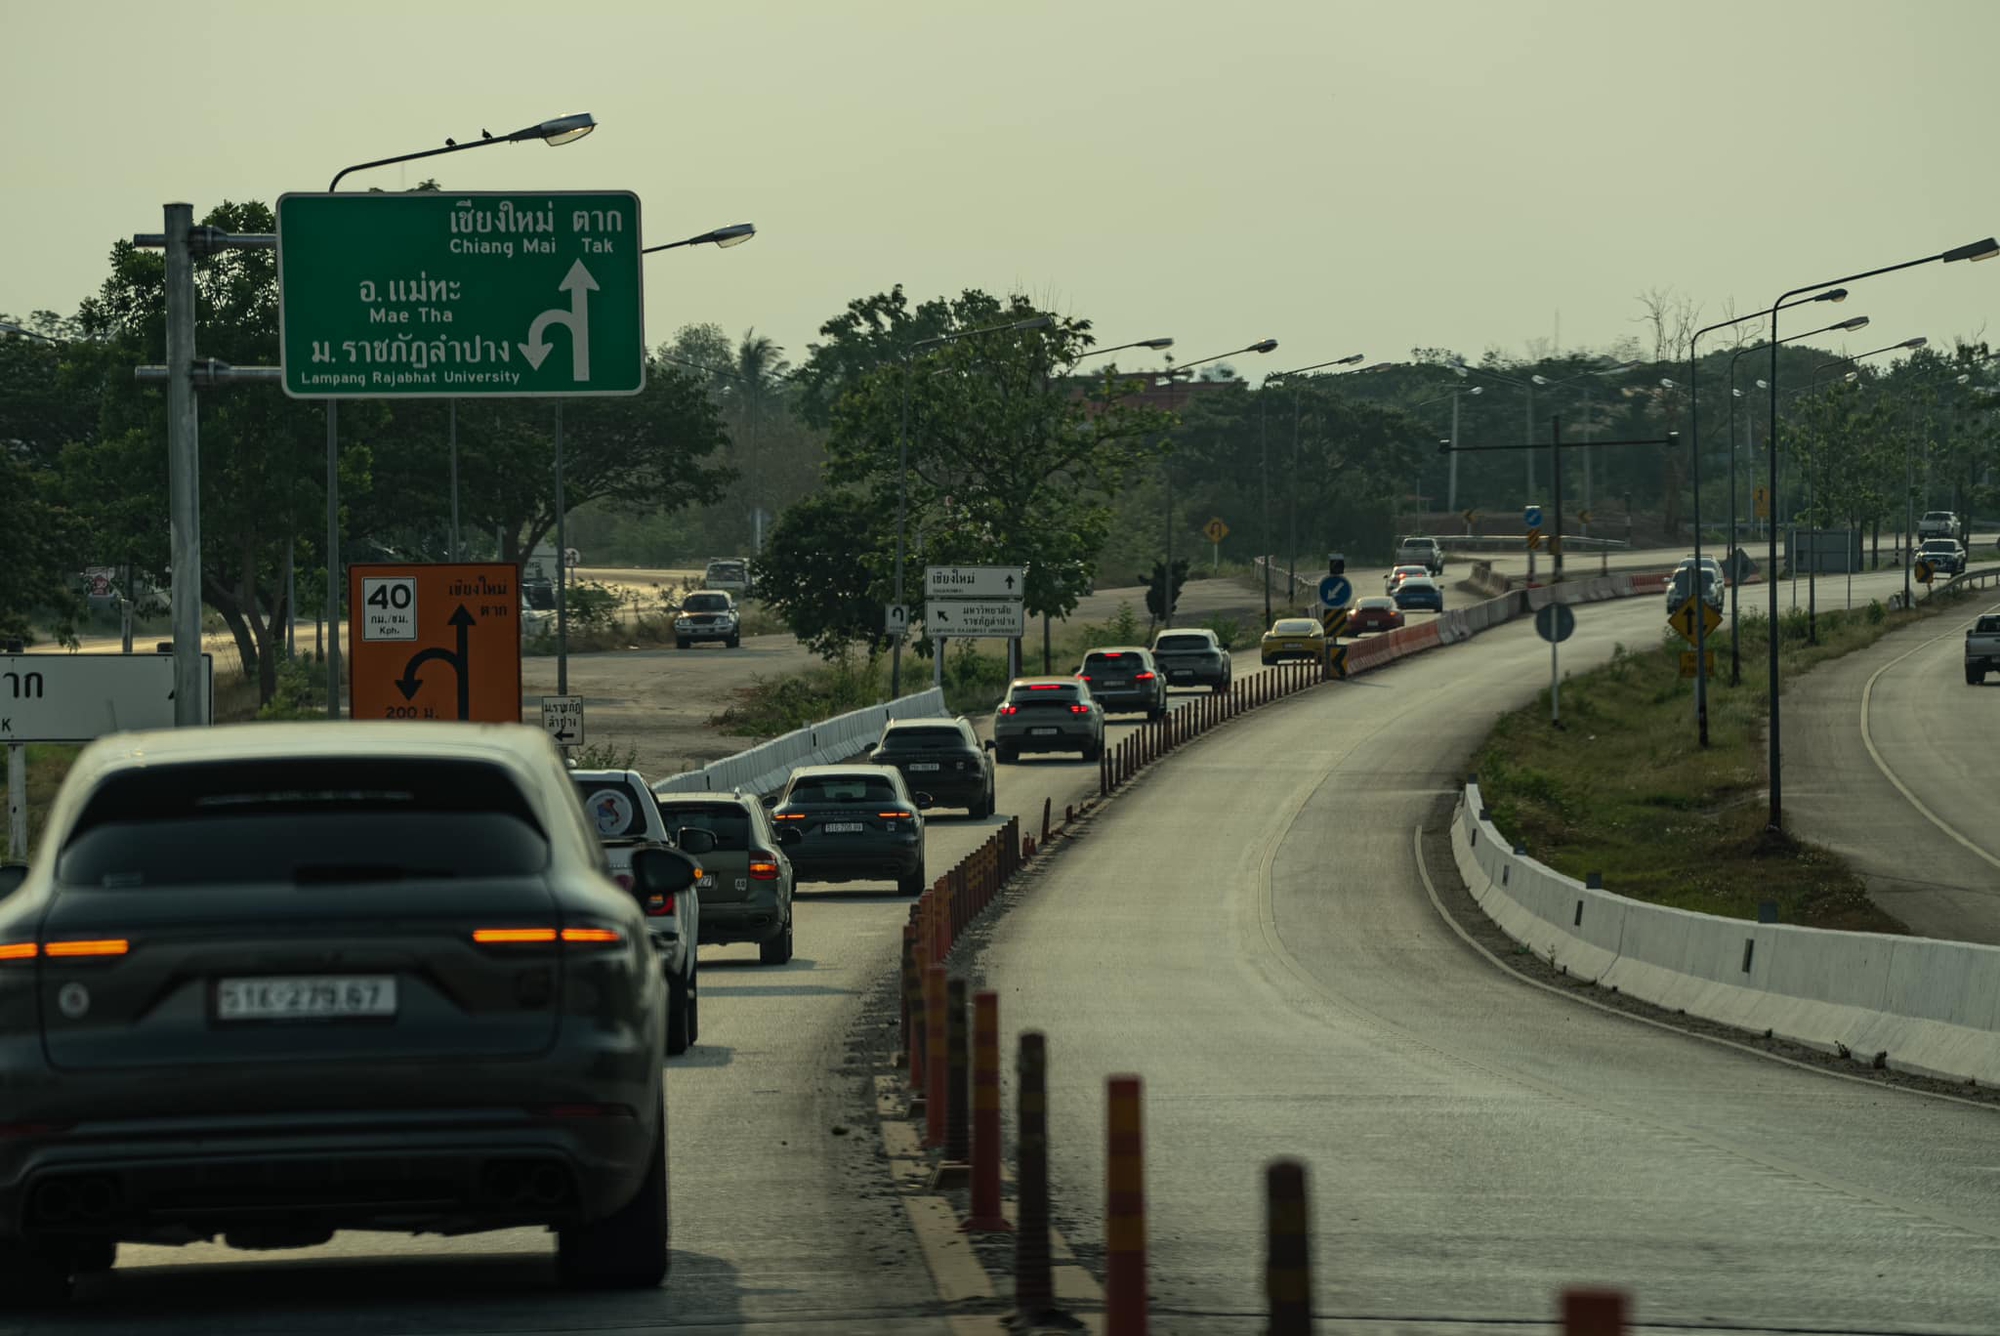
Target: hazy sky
{"type": "Point", "coordinates": [1341, 176]}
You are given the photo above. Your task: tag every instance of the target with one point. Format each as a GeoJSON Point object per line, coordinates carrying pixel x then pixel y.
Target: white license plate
{"type": "Point", "coordinates": [843, 827]}
{"type": "Point", "coordinates": [1182, 672]}
{"type": "Point", "coordinates": [1044, 732]}
{"type": "Point", "coordinates": [923, 765]}
{"type": "Point", "coordinates": [305, 997]}
{"type": "Point", "coordinates": [1114, 682]}
{"type": "Point", "coordinates": [707, 881]}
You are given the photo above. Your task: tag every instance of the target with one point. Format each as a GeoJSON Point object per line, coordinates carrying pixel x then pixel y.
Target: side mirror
{"type": "Point", "coordinates": [769, 800]}
{"type": "Point", "coordinates": [660, 872]}
{"type": "Point", "coordinates": [695, 840]}
{"type": "Point", "coordinates": [988, 744]}
{"type": "Point", "coordinates": [11, 877]}
{"type": "Point", "coordinates": [790, 834]}
{"type": "Point", "coordinates": [924, 800]}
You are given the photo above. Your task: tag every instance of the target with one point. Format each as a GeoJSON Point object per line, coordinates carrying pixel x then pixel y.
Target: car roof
{"type": "Point", "coordinates": [607, 777]}
{"type": "Point", "coordinates": [511, 743]}
{"type": "Point", "coordinates": [1117, 649]}
{"type": "Point", "coordinates": [931, 721]}
{"type": "Point", "coordinates": [1048, 679]}
{"type": "Point", "coordinates": [1377, 602]}
{"type": "Point", "coordinates": [814, 771]}
{"type": "Point", "coordinates": [1420, 580]}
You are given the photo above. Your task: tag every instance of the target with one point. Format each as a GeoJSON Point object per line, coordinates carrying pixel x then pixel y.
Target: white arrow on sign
{"type": "Point", "coordinates": [578, 284]}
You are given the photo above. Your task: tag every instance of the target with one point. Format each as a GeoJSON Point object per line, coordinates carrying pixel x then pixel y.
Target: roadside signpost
{"type": "Point", "coordinates": [1924, 571]}
{"type": "Point", "coordinates": [1335, 591]}
{"type": "Point", "coordinates": [1334, 620]}
{"type": "Point", "coordinates": [435, 641]}
{"type": "Point", "coordinates": [982, 601]}
{"type": "Point", "coordinates": [895, 618]}
{"type": "Point", "coordinates": [1215, 531]}
{"type": "Point", "coordinates": [1695, 620]}
{"type": "Point", "coordinates": [1555, 622]}
{"type": "Point", "coordinates": [78, 697]}
{"type": "Point", "coordinates": [562, 719]}
{"type": "Point", "coordinates": [1689, 659]}
{"type": "Point", "coordinates": [438, 294]}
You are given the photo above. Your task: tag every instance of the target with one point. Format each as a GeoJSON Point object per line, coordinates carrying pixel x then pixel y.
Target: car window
{"type": "Point", "coordinates": [1377, 603]}
{"type": "Point", "coordinates": [302, 821]}
{"type": "Point", "coordinates": [1295, 626]}
{"type": "Point", "coordinates": [613, 807]}
{"type": "Point", "coordinates": [1114, 660]}
{"type": "Point", "coordinates": [1060, 692]}
{"type": "Point", "coordinates": [706, 603]}
{"type": "Point", "coordinates": [1987, 625]}
{"type": "Point", "coordinates": [923, 739]}
{"type": "Point", "coordinates": [843, 789]}
{"type": "Point", "coordinates": [1187, 644]}
{"type": "Point", "coordinates": [729, 822]}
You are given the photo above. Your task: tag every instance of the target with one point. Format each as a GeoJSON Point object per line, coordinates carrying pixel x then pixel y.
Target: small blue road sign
{"type": "Point", "coordinates": [1335, 591]}
{"type": "Point", "coordinates": [1531, 516]}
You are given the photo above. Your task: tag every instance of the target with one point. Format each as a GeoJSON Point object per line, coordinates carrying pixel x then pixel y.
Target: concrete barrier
{"type": "Point", "coordinates": [1914, 1004]}
{"type": "Point", "coordinates": [765, 767]}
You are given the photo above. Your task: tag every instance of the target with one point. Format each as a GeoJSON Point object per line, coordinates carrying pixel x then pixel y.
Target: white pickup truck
{"type": "Point", "coordinates": [621, 809]}
{"type": "Point", "coordinates": [1982, 649]}
{"type": "Point", "coordinates": [1937, 524]}
{"type": "Point", "coordinates": [1419, 550]}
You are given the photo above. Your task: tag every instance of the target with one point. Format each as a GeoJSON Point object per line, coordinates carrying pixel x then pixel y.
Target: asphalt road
{"type": "Point", "coordinates": [1893, 768]}
{"type": "Point", "coordinates": [1248, 929]}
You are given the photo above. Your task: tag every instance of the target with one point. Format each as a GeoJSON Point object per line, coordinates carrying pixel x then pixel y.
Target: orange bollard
{"type": "Point", "coordinates": [1034, 1282]}
{"type": "Point", "coordinates": [986, 1216]}
{"type": "Point", "coordinates": [1124, 1210]}
{"type": "Point", "coordinates": [1045, 810]}
{"type": "Point", "coordinates": [1593, 1312]}
{"type": "Point", "coordinates": [958, 1077]}
{"type": "Point", "coordinates": [913, 1007]}
{"type": "Point", "coordinates": [936, 1037]}
{"type": "Point", "coordinates": [1287, 1249]}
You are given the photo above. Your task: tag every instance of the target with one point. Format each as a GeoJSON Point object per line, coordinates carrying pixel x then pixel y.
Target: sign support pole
{"type": "Point", "coordinates": [1555, 560]}
{"type": "Point", "coordinates": [183, 468]}
{"type": "Point", "coordinates": [937, 662]}
{"type": "Point", "coordinates": [454, 478]}
{"type": "Point", "coordinates": [562, 570]}
{"type": "Point", "coordinates": [17, 802]}
{"type": "Point", "coordinates": [333, 581]}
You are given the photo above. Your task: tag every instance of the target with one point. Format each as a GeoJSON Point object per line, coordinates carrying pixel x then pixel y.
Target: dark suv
{"type": "Point", "coordinates": [1192, 659]}
{"type": "Point", "coordinates": [746, 883]}
{"type": "Point", "coordinates": [1126, 680]}
{"type": "Point", "coordinates": [941, 757]}
{"type": "Point", "coordinates": [853, 823]}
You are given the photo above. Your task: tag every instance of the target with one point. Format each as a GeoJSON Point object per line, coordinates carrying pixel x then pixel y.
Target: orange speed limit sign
{"type": "Point", "coordinates": [434, 641]}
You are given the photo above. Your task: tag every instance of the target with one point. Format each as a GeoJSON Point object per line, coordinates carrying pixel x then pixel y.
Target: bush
{"type": "Point", "coordinates": [606, 755]}
{"type": "Point", "coordinates": [297, 696]}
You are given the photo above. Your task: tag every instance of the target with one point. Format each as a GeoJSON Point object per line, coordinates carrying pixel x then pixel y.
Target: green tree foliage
{"type": "Point", "coordinates": [1012, 460]}
{"type": "Point", "coordinates": [826, 570]}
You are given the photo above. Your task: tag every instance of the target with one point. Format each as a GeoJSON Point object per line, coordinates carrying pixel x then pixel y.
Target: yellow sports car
{"type": "Point", "coordinates": [1293, 638]}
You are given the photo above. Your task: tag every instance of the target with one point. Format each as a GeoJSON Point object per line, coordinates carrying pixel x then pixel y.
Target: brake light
{"type": "Point", "coordinates": [593, 937]}
{"type": "Point", "coordinates": [1010, 709]}
{"type": "Point", "coordinates": [894, 816]}
{"type": "Point", "coordinates": [1142, 677]}
{"type": "Point", "coordinates": [1079, 709]}
{"type": "Point", "coordinates": [763, 866]}
{"type": "Point", "coordinates": [624, 880]}
{"type": "Point", "coordinates": [1048, 686]}
{"type": "Point", "coordinates": [660, 906]}
{"type": "Point", "coordinates": [1083, 677]}
{"type": "Point", "coordinates": [788, 816]}
{"type": "Point", "coordinates": [513, 936]}
{"type": "Point", "coordinates": [109, 946]}
{"type": "Point", "coordinates": [19, 950]}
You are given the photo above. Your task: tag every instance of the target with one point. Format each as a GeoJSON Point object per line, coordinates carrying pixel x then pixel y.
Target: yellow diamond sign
{"type": "Point", "coordinates": [1684, 619]}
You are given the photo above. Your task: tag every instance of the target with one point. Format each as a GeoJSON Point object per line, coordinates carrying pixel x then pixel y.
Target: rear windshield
{"type": "Point", "coordinates": [304, 821]}
{"type": "Point", "coordinates": [729, 823]}
{"type": "Point", "coordinates": [706, 603]}
{"type": "Point", "coordinates": [725, 570]}
{"type": "Point", "coordinates": [843, 789]}
{"type": "Point", "coordinates": [1940, 545]}
{"type": "Point", "coordinates": [1055, 692]}
{"type": "Point", "coordinates": [1181, 644]}
{"type": "Point", "coordinates": [1295, 626]}
{"type": "Point", "coordinates": [613, 807]}
{"type": "Point", "coordinates": [922, 739]}
{"type": "Point", "coordinates": [1988, 625]}
{"type": "Point", "coordinates": [1113, 660]}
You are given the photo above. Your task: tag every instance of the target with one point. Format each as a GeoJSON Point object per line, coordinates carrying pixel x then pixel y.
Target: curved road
{"type": "Point", "coordinates": [1895, 771]}
{"type": "Point", "coordinates": [1249, 930]}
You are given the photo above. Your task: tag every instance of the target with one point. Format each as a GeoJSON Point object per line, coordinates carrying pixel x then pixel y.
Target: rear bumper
{"type": "Point", "coordinates": [1065, 741]}
{"type": "Point", "coordinates": [864, 864]}
{"type": "Point", "coordinates": [1196, 675]}
{"type": "Point", "coordinates": [448, 1171]}
{"type": "Point", "coordinates": [954, 790]}
{"type": "Point", "coordinates": [1127, 702]}
{"type": "Point", "coordinates": [757, 919]}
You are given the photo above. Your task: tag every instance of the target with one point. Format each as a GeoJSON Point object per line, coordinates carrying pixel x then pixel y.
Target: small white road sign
{"type": "Point", "coordinates": [562, 719]}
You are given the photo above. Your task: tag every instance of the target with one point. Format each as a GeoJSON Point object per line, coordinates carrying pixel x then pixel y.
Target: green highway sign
{"type": "Point", "coordinates": [426, 294]}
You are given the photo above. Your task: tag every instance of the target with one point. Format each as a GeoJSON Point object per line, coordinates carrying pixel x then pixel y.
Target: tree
{"type": "Point", "coordinates": [39, 539]}
{"type": "Point", "coordinates": [826, 570]}
{"type": "Point", "coordinates": [1012, 459]}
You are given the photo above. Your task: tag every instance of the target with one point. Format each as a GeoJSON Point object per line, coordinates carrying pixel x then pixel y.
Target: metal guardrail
{"type": "Point", "coordinates": [1501, 542]}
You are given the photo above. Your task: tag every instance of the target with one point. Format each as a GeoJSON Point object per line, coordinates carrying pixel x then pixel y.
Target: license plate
{"type": "Point", "coordinates": [305, 997]}
{"type": "Point", "coordinates": [1114, 681]}
{"type": "Point", "coordinates": [707, 880]}
{"type": "Point", "coordinates": [1178, 673]}
{"type": "Point", "coordinates": [1044, 732]}
{"type": "Point", "coordinates": [923, 765]}
{"type": "Point", "coordinates": [843, 827]}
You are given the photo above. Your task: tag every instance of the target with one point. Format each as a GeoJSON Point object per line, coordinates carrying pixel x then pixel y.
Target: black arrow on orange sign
{"type": "Point", "coordinates": [460, 662]}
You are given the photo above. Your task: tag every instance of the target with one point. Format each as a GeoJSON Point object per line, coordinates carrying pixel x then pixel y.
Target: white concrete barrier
{"type": "Point", "coordinates": [765, 767]}
{"type": "Point", "coordinates": [1911, 1003]}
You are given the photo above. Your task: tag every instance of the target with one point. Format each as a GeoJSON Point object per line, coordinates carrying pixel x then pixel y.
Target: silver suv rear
{"type": "Point", "coordinates": [746, 883]}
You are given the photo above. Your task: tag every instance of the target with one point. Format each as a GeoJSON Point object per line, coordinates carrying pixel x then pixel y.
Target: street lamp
{"type": "Point", "coordinates": [1848, 325]}
{"type": "Point", "coordinates": [1167, 517]}
{"type": "Point", "coordinates": [1264, 465]}
{"type": "Point", "coordinates": [1975, 251]}
{"type": "Point", "coordinates": [903, 460]}
{"type": "Point", "coordinates": [561, 130]}
{"type": "Point", "coordinates": [723, 237]}
{"type": "Point", "coordinates": [1121, 347]}
{"type": "Point", "coordinates": [1595, 373]}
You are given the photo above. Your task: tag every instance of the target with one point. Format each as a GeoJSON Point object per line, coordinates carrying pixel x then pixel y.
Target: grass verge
{"type": "Point", "coordinates": [1622, 789]}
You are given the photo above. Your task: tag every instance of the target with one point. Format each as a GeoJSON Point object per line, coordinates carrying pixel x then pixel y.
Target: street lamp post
{"type": "Point", "coordinates": [1770, 500]}
{"type": "Point", "coordinates": [1452, 392]}
{"type": "Point", "coordinates": [561, 130]}
{"type": "Point", "coordinates": [1595, 373]}
{"type": "Point", "coordinates": [903, 460]}
{"type": "Point", "coordinates": [1167, 475]}
{"type": "Point", "coordinates": [1527, 433]}
{"type": "Point", "coordinates": [1978, 250]}
{"type": "Point", "coordinates": [1264, 469]}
